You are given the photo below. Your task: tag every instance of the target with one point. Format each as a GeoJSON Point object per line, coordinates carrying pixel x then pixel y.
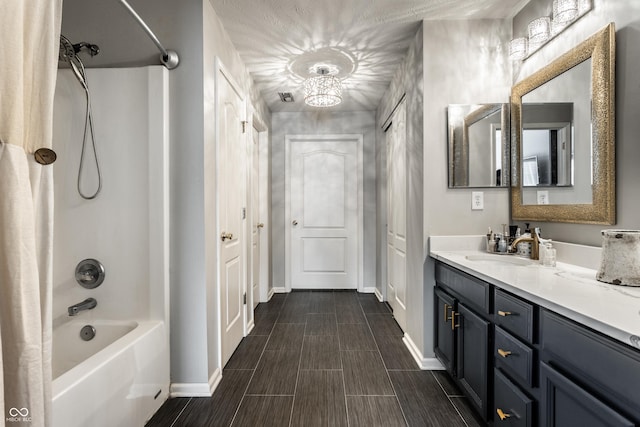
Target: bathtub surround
{"type": "Point", "coordinates": [30, 36]}
{"type": "Point", "coordinates": [126, 227]}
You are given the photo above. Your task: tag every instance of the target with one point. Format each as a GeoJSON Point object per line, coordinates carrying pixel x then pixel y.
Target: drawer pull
{"type": "Point", "coordinates": [503, 415]}
{"type": "Point", "coordinates": [504, 313]}
{"type": "Point", "coordinates": [453, 320]}
{"type": "Point", "coordinates": [446, 312]}
{"type": "Point", "coordinates": [504, 353]}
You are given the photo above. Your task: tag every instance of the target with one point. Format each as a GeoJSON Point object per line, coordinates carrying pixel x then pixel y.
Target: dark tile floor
{"type": "Point", "coordinates": [323, 359]}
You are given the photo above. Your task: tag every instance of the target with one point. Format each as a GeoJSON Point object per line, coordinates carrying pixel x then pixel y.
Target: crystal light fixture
{"type": "Point", "coordinates": [539, 30]}
{"type": "Point", "coordinates": [565, 11]}
{"type": "Point", "coordinates": [518, 48]}
{"type": "Point", "coordinates": [323, 90]}
{"type": "Point", "coordinates": [543, 29]}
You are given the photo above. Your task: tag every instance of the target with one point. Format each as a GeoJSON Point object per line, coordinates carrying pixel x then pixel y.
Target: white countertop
{"type": "Point", "coordinates": [567, 289]}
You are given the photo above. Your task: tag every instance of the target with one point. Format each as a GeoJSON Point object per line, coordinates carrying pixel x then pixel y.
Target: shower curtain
{"type": "Point", "coordinates": [29, 34]}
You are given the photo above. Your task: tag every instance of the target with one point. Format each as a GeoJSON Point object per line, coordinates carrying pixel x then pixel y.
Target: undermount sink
{"type": "Point", "coordinates": [499, 259]}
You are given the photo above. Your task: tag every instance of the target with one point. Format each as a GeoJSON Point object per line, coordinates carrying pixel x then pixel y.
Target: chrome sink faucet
{"type": "Point", "coordinates": [87, 304]}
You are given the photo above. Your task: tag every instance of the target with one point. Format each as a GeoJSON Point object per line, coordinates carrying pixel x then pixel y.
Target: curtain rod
{"type": "Point", "coordinates": [169, 58]}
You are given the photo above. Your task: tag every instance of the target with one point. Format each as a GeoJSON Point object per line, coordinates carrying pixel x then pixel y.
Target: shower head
{"type": "Point", "coordinates": [69, 51]}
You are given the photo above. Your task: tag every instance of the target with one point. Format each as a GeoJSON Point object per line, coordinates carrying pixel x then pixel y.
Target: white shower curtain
{"type": "Point", "coordinates": [29, 42]}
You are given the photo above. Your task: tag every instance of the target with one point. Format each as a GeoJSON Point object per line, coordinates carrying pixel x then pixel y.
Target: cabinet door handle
{"type": "Point", "coordinates": [503, 415]}
{"type": "Point", "coordinates": [504, 313]}
{"type": "Point", "coordinates": [446, 314]}
{"type": "Point", "coordinates": [504, 353]}
{"type": "Point", "coordinates": [453, 320]}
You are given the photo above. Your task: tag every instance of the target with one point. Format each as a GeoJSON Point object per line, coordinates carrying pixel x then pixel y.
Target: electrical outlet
{"type": "Point", "coordinates": [477, 200]}
{"type": "Point", "coordinates": [543, 197]}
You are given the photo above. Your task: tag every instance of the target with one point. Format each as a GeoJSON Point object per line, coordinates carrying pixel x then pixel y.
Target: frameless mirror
{"type": "Point", "coordinates": [563, 145]}
{"type": "Point", "coordinates": [478, 145]}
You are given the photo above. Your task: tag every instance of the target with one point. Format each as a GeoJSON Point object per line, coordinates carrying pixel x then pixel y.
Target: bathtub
{"type": "Point", "coordinates": [119, 378]}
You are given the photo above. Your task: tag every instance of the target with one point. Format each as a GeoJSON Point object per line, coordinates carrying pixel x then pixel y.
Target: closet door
{"type": "Point", "coordinates": [397, 215]}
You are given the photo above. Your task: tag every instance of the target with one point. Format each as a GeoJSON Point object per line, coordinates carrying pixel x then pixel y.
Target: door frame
{"type": "Point", "coordinates": [256, 124]}
{"type": "Point", "coordinates": [356, 138]}
{"type": "Point", "coordinates": [221, 69]}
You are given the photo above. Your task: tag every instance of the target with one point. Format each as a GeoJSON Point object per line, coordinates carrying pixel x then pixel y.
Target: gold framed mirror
{"type": "Point", "coordinates": [591, 139]}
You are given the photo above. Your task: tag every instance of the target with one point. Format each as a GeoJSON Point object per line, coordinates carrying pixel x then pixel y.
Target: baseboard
{"type": "Point", "coordinates": [250, 326]}
{"type": "Point", "coordinates": [424, 363]}
{"type": "Point", "coordinates": [197, 389]}
{"type": "Point", "coordinates": [368, 289]}
{"type": "Point", "coordinates": [279, 290]}
{"type": "Point", "coordinates": [378, 295]}
{"type": "Point", "coordinates": [270, 294]}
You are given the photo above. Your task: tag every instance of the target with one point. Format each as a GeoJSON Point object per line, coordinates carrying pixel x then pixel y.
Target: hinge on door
{"type": "Point", "coordinates": [244, 126]}
{"type": "Point", "coordinates": [244, 298]}
{"type": "Point", "coordinates": [244, 213]}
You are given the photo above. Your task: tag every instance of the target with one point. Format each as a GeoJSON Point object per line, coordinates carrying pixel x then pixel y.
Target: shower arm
{"type": "Point", "coordinates": [169, 58]}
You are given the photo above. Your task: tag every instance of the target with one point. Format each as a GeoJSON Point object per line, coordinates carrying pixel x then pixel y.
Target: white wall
{"type": "Point", "coordinates": [408, 81]}
{"type": "Point", "coordinates": [626, 16]}
{"type": "Point", "coordinates": [322, 122]}
{"type": "Point", "coordinates": [115, 227]}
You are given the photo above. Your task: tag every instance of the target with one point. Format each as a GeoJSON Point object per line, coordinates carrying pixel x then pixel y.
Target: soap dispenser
{"type": "Point", "coordinates": [524, 248]}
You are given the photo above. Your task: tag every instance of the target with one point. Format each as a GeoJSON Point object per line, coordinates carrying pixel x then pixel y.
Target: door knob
{"type": "Point", "coordinates": [294, 222]}
{"type": "Point", "coordinates": [226, 236]}
{"type": "Point", "coordinates": [260, 225]}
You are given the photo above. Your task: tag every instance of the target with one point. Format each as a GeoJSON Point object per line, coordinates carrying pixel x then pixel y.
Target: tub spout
{"type": "Point", "coordinates": [87, 304]}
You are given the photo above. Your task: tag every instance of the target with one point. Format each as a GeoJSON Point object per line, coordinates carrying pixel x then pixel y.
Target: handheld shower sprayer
{"type": "Point", "coordinates": [69, 53]}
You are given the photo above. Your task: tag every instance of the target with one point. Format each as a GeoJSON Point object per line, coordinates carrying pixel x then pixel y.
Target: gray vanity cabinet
{"type": "Point", "coordinates": [463, 334]}
{"type": "Point", "coordinates": [534, 366]}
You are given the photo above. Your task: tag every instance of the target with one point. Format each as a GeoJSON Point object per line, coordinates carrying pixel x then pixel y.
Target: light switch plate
{"type": "Point", "coordinates": [543, 197]}
{"type": "Point", "coordinates": [477, 200]}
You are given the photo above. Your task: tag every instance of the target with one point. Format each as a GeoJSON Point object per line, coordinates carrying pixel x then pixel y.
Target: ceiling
{"type": "Point", "coordinates": [279, 40]}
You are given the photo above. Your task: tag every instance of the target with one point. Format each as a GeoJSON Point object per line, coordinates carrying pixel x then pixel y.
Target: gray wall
{"type": "Point", "coordinates": [322, 122]}
{"type": "Point", "coordinates": [626, 15]}
{"type": "Point", "coordinates": [465, 62]}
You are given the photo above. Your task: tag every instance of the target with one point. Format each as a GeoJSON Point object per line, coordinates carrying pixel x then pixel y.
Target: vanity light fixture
{"type": "Point", "coordinates": [324, 89]}
{"type": "Point", "coordinates": [545, 28]}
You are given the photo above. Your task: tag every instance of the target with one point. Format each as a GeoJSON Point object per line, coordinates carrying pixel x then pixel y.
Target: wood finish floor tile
{"type": "Point", "coordinates": [276, 373]}
{"type": "Point", "coordinates": [320, 352]}
{"type": "Point", "coordinates": [356, 336]}
{"type": "Point", "coordinates": [286, 336]}
{"type": "Point", "coordinates": [394, 353]}
{"type": "Point", "coordinates": [264, 411]}
{"type": "Point", "coordinates": [350, 314]}
{"type": "Point", "coordinates": [384, 324]}
{"type": "Point", "coordinates": [168, 412]}
{"type": "Point", "coordinates": [321, 324]}
{"type": "Point", "coordinates": [374, 411]}
{"type": "Point", "coordinates": [374, 306]}
{"type": "Point", "coordinates": [364, 374]}
{"type": "Point", "coordinates": [320, 400]}
{"type": "Point", "coordinates": [471, 418]}
{"type": "Point", "coordinates": [422, 399]}
{"type": "Point", "coordinates": [248, 353]}
{"type": "Point", "coordinates": [446, 382]}
{"type": "Point", "coordinates": [219, 409]}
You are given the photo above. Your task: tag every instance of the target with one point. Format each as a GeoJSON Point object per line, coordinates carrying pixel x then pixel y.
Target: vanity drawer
{"type": "Point", "coordinates": [471, 290]}
{"type": "Point", "coordinates": [514, 315]}
{"type": "Point", "coordinates": [513, 355]}
{"type": "Point", "coordinates": [600, 364]}
{"type": "Point", "coordinates": [512, 406]}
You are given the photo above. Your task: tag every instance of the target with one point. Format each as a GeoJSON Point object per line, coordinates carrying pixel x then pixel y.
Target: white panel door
{"type": "Point", "coordinates": [397, 215]}
{"type": "Point", "coordinates": [231, 190]}
{"type": "Point", "coordinates": [256, 225]}
{"type": "Point", "coordinates": [324, 214]}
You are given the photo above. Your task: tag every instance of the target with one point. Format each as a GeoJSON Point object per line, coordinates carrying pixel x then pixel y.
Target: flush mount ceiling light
{"type": "Point", "coordinates": [324, 89]}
